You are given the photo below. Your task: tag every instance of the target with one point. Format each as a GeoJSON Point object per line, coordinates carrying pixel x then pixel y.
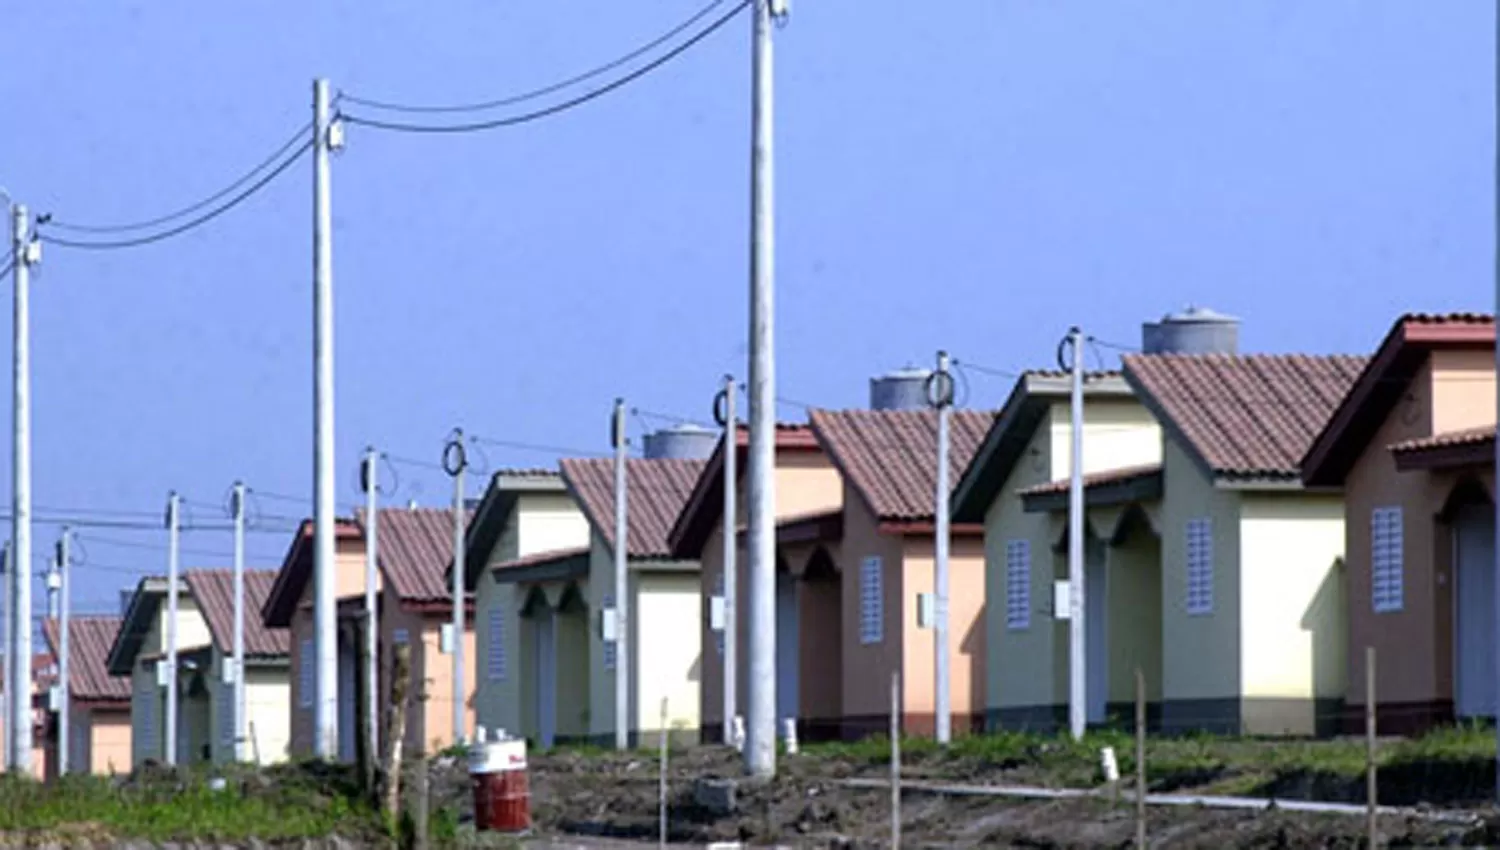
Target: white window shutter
{"type": "Point", "coordinates": [496, 661]}
{"type": "Point", "coordinates": [1387, 560]}
{"type": "Point", "coordinates": [1200, 566]}
{"type": "Point", "coordinates": [1018, 585]}
{"type": "Point", "coordinates": [871, 600]}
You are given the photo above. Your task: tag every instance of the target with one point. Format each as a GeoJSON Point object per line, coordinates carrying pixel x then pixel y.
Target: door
{"type": "Point", "coordinates": [1096, 632]}
{"type": "Point", "coordinates": [786, 648]}
{"type": "Point", "coordinates": [546, 677]}
{"type": "Point", "coordinates": [1474, 612]}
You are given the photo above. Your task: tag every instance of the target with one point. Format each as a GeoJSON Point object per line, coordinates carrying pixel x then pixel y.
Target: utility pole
{"type": "Point", "coordinates": [54, 586]}
{"type": "Point", "coordinates": [372, 557]}
{"type": "Point", "coordinates": [172, 570]}
{"type": "Point", "coordinates": [10, 615]}
{"type": "Point", "coordinates": [622, 582]}
{"type": "Point", "coordinates": [760, 734]}
{"type": "Point", "coordinates": [20, 575]}
{"type": "Point", "coordinates": [325, 578]}
{"type": "Point", "coordinates": [1078, 633]}
{"type": "Point", "coordinates": [64, 684]}
{"type": "Point", "coordinates": [454, 461]}
{"type": "Point", "coordinates": [940, 396]}
{"type": "Point", "coordinates": [237, 665]}
{"type": "Point", "coordinates": [731, 555]}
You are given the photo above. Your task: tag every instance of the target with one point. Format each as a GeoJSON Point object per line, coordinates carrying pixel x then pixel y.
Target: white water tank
{"type": "Point", "coordinates": [1196, 330]}
{"type": "Point", "coordinates": [903, 389]}
{"type": "Point", "coordinates": [682, 442]}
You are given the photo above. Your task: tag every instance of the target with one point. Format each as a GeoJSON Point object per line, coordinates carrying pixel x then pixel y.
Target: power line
{"type": "Point", "coordinates": [191, 224]}
{"type": "Point", "coordinates": [510, 100]}
{"type": "Point", "coordinates": [538, 447]}
{"type": "Point", "coordinates": [556, 108]}
{"type": "Point", "coordinates": [142, 225]}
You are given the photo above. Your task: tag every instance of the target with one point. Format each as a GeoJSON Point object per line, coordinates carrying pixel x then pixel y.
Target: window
{"type": "Point", "coordinates": [719, 633]}
{"type": "Point", "coordinates": [871, 601]}
{"type": "Point", "coordinates": [305, 674]}
{"type": "Point", "coordinates": [1387, 585]}
{"type": "Point", "coordinates": [609, 645]}
{"type": "Point", "coordinates": [1018, 585]}
{"type": "Point", "coordinates": [496, 662]}
{"type": "Point", "coordinates": [226, 719]}
{"type": "Point", "coordinates": [1200, 566]}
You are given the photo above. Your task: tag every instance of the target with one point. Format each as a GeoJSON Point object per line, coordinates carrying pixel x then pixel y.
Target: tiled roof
{"type": "Point", "coordinates": [543, 558]}
{"type": "Point", "coordinates": [1123, 475]}
{"type": "Point", "coordinates": [656, 490]}
{"type": "Point", "coordinates": [89, 640]}
{"type": "Point", "coordinates": [213, 590]}
{"type": "Point", "coordinates": [1449, 439]}
{"type": "Point", "coordinates": [1244, 416]}
{"type": "Point", "coordinates": [890, 456]}
{"type": "Point", "coordinates": [416, 549]}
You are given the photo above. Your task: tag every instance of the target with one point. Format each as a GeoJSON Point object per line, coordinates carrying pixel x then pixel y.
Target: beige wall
{"type": "Point", "coordinates": [438, 673]}
{"type": "Point", "coordinates": [668, 653]}
{"type": "Point", "coordinates": [107, 741]}
{"type": "Point", "coordinates": [1463, 389]}
{"type": "Point", "coordinates": [1117, 433]}
{"type": "Point", "coordinates": [966, 625]}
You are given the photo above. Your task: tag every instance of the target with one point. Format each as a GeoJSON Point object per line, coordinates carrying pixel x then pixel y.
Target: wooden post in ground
{"type": "Point", "coordinates": [423, 792]}
{"type": "Point", "coordinates": [396, 733]}
{"type": "Point", "coordinates": [662, 788]}
{"type": "Point", "coordinates": [895, 761]}
{"type": "Point", "coordinates": [364, 750]}
{"type": "Point", "coordinates": [1140, 759]}
{"type": "Point", "coordinates": [1372, 798]}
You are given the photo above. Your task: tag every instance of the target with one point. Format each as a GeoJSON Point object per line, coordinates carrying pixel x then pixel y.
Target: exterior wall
{"type": "Point", "coordinates": [601, 583]}
{"type": "Point", "coordinates": [1463, 389]}
{"type": "Point", "coordinates": [1201, 656]}
{"type": "Point", "coordinates": [1292, 650]}
{"type": "Point", "coordinates": [868, 667]}
{"type": "Point", "coordinates": [438, 673]}
{"type": "Point", "coordinates": [106, 742]}
{"type": "Point", "coordinates": [1133, 618]}
{"type": "Point", "coordinates": [668, 659]}
{"type": "Point", "coordinates": [1117, 433]}
{"type": "Point", "coordinates": [573, 629]}
{"type": "Point", "coordinates": [351, 585]}
{"type": "Point", "coordinates": [966, 625]}
{"type": "Point", "coordinates": [147, 706]}
{"type": "Point", "coordinates": [267, 694]}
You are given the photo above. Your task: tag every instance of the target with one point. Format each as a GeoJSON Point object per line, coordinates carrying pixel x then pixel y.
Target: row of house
{"type": "Point", "coordinates": [1252, 523]}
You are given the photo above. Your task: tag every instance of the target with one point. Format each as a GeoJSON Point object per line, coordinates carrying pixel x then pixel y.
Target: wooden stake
{"type": "Point", "coordinates": [1140, 759]}
{"type": "Point", "coordinates": [396, 734]}
{"type": "Point", "coordinates": [895, 761]}
{"type": "Point", "coordinates": [364, 752]}
{"type": "Point", "coordinates": [1371, 795]}
{"type": "Point", "coordinates": [423, 794]}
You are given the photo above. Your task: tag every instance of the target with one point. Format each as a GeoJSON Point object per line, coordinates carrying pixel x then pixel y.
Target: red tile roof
{"type": "Point", "coordinates": [1123, 475]}
{"type": "Point", "coordinates": [656, 491]}
{"type": "Point", "coordinates": [213, 591]}
{"type": "Point", "coordinates": [890, 456]}
{"type": "Point", "coordinates": [416, 549]}
{"type": "Point", "coordinates": [1404, 351]}
{"type": "Point", "coordinates": [89, 640]}
{"type": "Point", "coordinates": [1244, 416]}
{"type": "Point", "coordinates": [1448, 439]}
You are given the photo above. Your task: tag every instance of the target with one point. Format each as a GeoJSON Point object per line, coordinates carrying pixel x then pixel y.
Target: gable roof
{"type": "Point", "coordinates": [1469, 447]}
{"type": "Point", "coordinates": [1245, 419]}
{"type": "Point", "coordinates": [1030, 399]}
{"type": "Point", "coordinates": [149, 596]}
{"type": "Point", "coordinates": [705, 506]}
{"type": "Point", "coordinates": [655, 488]}
{"type": "Point", "coordinates": [213, 591]}
{"type": "Point", "coordinates": [89, 640]}
{"type": "Point", "coordinates": [416, 552]}
{"type": "Point", "coordinates": [890, 456]}
{"type": "Point", "coordinates": [296, 570]}
{"type": "Point", "coordinates": [1383, 383]}
{"type": "Point", "coordinates": [505, 489]}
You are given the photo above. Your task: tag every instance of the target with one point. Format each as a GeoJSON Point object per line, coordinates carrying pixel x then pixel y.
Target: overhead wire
{"type": "Point", "coordinates": [540, 448]}
{"type": "Point", "coordinates": [545, 112]}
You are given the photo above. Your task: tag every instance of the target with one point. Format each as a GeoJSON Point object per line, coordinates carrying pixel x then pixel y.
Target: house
{"type": "Point", "coordinates": [289, 606]}
{"type": "Point", "coordinates": [99, 716]}
{"type": "Point", "coordinates": [662, 611]}
{"type": "Point", "coordinates": [1412, 446]}
{"type": "Point", "coordinates": [1017, 487]}
{"type": "Point", "coordinates": [1252, 606]}
{"type": "Point", "coordinates": [807, 488]}
{"type": "Point", "coordinates": [43, 677]}
{"type": "Point", "coordinates": [534, 618]}
{"type": "Point", "coordinates": [139, 652]}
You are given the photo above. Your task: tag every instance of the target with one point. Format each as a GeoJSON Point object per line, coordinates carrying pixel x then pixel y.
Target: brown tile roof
{"type": "Point", "coordinates": [890, 456]}
{"type": "Point", "coordinates": [89, 640]}
{"type": "Point", "coordinates": [1244, 416]}
{"type": "Point", "coordinates": [547, 557]}
{"type": "Point", "coordinates": [1123, 475]}
{"type": "Point", "coordinates": [1447, 439]}
{"type": "Point", "coordinates": [656, 491]}
{"type": "Point", "coordinates": [1383, 383]}
{"type": "Point", "coordinates": [213, 591]}
{"type": "Point", "coordinates": [416, 549]}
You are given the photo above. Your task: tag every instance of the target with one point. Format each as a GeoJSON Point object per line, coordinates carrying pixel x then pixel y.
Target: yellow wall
{"type": "Point", "coordinates": [668, 650]}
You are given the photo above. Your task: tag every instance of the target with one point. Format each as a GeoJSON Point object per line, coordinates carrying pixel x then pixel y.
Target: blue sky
{"type": "Point", "coordinates": [974, 174]}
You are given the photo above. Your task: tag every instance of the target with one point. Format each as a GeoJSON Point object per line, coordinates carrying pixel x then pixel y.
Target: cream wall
{"type": "Point", "coordinates": [668, 651]}
{"type": "Point", "coordinates": [1117, 433]}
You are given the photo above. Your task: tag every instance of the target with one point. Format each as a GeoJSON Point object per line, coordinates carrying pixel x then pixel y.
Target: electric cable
{"type": "Point", "coordinates": [192, 223]}
{"type": "Point", "coordinates": [540, 448]}
{"type": "Point", "coordinates": [163, 219]}
{"type": "Point", "coordinates": [549, 111]}
{"type": "Point", "coordinates": [511, 100]}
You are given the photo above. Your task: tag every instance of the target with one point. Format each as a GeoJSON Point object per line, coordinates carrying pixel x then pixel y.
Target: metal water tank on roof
{"type": "Point", "coordinates": [1196, 330]}
{"type": "Point", "coordinates": [903, 389]}
{"type": "Point", "coordinates": [682, 442]}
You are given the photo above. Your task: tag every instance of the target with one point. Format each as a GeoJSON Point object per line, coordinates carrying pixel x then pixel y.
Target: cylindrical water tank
{"type": "Point", "coordinates": [682, 442]}
{"type": "Point", "coordinates": [1196, 330]}
{"type": "Point", "coordinates": [903, 389]}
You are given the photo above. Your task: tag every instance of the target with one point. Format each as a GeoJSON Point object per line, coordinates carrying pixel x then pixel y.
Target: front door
{"type": "Point", "coordinates": [546, 677]}
{"type": "Point", "coordinates": [1474, 612]}
{"type": "Point", "coordinates": [1096, 632]}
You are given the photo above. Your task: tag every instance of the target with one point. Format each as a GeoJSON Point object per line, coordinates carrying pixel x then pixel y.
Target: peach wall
{"type": "Point", "coordinates": [351, 585]}
{"type": "Point", "coordinates": [109, 742]}
{"type": "Point", "coordinates": [868, 667]}
{"type": "Point", "coordinates": [966, 627]}
{"type": "Point", "coordinates": [1463, 390]}
{"type": "Point", "coordinates": [438, 673]}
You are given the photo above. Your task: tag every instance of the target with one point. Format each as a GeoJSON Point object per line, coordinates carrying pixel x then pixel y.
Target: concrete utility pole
{"type": "Point", "coordinates": [20, 510]}
{"type": "Point", "coordinates": [325, 621]}
{"type": "Point", "coordinates": [1495, 187]}
{"type": "Point", "coordinates": [5, 599]}
{"type": "Point", "coordinates": [455, 461]}
{"type": "Point", "coordinates": [940, 396]}
{"type": "Point", "coordinates": [372, 557]}
{"type": "Point", "coordinates": [731, 555]}
{"type": "Point", "coordinates": [173, 504]}
{"type": "Point", "coordinates": [54, 587]}
{"type": "Point", "coordinates": [1078, 633]}
{"type": "Point", "coordinates": [237, 665]}
{"type": "Point", "coordinates": [760, 734]}
{"type": "Point", "coordinates": [622, 582]}
{"type": "Point", "coordinates": [64, 650]}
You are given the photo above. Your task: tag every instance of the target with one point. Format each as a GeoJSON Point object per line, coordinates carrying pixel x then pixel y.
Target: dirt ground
{"type": "Point", "coordinates": [808, 805]}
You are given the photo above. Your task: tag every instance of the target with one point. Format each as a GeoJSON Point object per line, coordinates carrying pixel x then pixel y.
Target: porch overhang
{"type": "Point", "coordinates": [567, 566]}
{"type": "Point", "coordinates": [1108, 489]}
{"type": "Point", "coordinates": [1445, 454]}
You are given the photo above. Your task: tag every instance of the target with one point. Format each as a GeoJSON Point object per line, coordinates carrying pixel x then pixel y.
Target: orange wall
{"type": "Point", "coordinates": [966, 652]}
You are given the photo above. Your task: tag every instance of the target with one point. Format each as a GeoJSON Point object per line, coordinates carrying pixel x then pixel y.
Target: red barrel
{"type": "Point", "coordinates": [502, 794]}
